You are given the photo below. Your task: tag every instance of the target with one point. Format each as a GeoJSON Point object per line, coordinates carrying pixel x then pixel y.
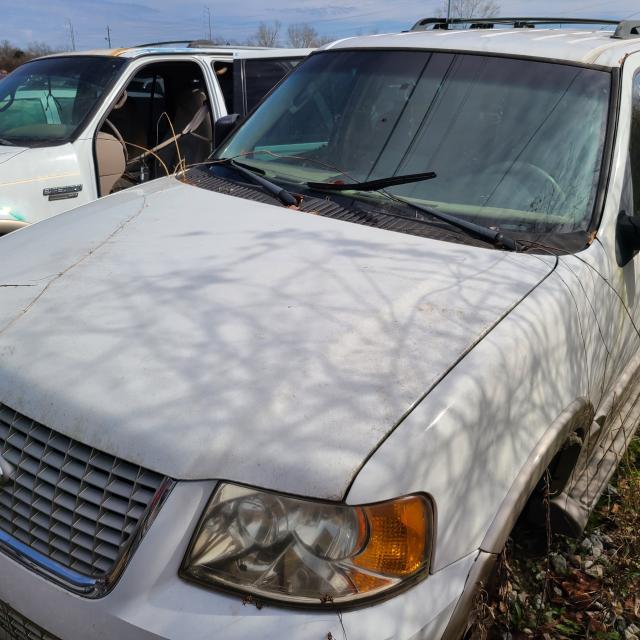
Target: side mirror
{"type": "Point", "coordinates": [627, 238]}
{"type": "Point", "coordinates": [223, 127]}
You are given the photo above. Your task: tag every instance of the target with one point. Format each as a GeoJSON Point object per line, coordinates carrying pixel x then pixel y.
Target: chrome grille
{"type": "Point", "coordinates": [14, 626]}
{"type": "Point", "coordinates": [75, 505]}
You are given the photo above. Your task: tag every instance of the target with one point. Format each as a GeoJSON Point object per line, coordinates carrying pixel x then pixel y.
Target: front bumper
{"type": "Point", "coordinates": [150, 601]}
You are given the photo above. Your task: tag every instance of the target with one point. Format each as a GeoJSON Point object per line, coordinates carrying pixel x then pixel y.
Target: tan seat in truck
{"type": "Point", "coordinates": [110, 160]}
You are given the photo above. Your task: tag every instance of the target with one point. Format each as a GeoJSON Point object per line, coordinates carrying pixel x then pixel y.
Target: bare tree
{"type": "Point", "coordinates": [12, 57]}
{"type": "Point", "coordinates": [304, 35]}
{"type": "Point", "coordinates": [267, 35]}
{"type": "Point", "coordinates": [467, 9]}
{"type": "Point", "coordinates": [37, 49]}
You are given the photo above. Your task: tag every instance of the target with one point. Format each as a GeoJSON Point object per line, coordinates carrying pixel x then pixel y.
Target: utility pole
{"type": "Point", "coordinates": [449, 12]}
{"type": "Point", "coordinates": [108, 38]}
{"type": "Point", "coordinates": [208, 10]}
{"type": "Point", "coordinates": [72, 35]}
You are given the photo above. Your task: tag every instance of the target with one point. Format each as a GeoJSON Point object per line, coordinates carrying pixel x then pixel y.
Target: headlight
{"type": "Point", "coordinates": [306, 552]}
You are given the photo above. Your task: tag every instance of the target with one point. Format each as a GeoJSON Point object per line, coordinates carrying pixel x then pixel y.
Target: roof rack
{"type": "Point", "coordinates": [163, 43]}
{"type": "Point", "coordinates": [624, 30]}
{"type": "Point", "coordinates": [194, 44]}
{"type": "Point", "coordinates": [627, 29]}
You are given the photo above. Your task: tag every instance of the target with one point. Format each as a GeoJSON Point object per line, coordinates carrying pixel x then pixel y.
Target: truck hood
{"type": "Point", "coordinates": [204, 336]}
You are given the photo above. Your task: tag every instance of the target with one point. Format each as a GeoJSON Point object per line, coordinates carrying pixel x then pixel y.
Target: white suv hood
{"type": "Point", "coordinates": [205, 336]}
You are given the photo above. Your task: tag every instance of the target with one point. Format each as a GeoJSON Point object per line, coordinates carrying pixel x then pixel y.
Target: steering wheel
{"type": "Point", "coordinates": [12, 97]}
{"type": "Point", "coordinates": [522, 166]}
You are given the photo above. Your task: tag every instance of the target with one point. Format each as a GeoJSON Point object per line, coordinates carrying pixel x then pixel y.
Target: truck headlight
{"type": "Point", "coordinates": [305, 552]}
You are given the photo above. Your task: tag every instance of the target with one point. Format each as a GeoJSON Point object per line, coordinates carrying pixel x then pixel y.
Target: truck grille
{"type": "Point", "coordinates": [14, 626]}
{"type": "Point", "coordinates": [75, 505]}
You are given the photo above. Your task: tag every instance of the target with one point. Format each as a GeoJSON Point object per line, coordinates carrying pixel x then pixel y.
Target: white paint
{"type": "Point", "coordinates": [502, 33]}
{"type": "Point", "coordinates": [210, 337]}
{"type": "Point", "coordinates": [555, 35]}
{"type": "Point", "coordinates": [231, 330]}
{"type": "Point", "coordinates": [584, 39]}
{"type": "Point", "coordinates": [600, 48]}
{"type": "Point", "coordinates": [24, 177]}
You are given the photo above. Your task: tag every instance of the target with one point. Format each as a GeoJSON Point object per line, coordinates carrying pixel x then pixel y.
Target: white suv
{"type": "Point", "coordinates": [74, 127]}
{"type": "Point", "coordinates": [305, 391]}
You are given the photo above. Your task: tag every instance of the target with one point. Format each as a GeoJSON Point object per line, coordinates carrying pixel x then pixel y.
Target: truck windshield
{"type": "Point", "coordinates": [515, 143]}
{"type": "Point", "coordinates": [47, 100]}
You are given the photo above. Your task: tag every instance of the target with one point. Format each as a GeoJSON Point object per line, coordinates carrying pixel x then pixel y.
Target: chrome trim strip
{"type": "Point", "coordinates": [36, 558]}
{"type": "Point", "coordinates": [73, 581]}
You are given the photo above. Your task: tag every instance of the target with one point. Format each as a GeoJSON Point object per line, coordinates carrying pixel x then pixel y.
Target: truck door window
{"type": "Point", "coordinates": [262, 75]}
{"type": "Point", "coordinates": [224, 76]}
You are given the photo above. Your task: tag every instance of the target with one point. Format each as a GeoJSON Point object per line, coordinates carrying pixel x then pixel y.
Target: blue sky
{"type": "Point", "coordinates": [139, 21]}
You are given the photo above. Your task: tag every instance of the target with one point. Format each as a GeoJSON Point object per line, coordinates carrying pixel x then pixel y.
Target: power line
{"type": "Point", "coordinates": [208, 10]}
{"type": "Point", "coordinates": [72, 34]}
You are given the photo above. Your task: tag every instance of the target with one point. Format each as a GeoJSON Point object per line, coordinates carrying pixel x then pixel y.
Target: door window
{"type": "Point", "coordinates": [262, 75]}
{"type": "Point", "coordinates": [224, 75]}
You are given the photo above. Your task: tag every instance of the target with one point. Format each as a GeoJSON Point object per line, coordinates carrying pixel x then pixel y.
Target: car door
{"type": "Point", "coordinates": [621, 282]}
{"type": "Point", "coordinates": [604, 281]}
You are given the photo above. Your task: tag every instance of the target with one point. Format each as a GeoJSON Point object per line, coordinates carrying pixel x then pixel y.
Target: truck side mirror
{"type": "Point", "coordinates": [627, 238]}
{"type": "Point", "coordinates": [224, 126]}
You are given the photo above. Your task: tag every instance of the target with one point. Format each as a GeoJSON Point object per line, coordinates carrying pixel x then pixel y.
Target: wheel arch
{"type": "Point", "coordinates": [576, 417]}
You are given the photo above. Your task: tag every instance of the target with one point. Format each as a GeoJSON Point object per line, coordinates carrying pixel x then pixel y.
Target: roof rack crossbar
{"type": "Point", "coordinates": [194, 44]}
{"type": "Point", "coordinates": [164, 42]}
{"type": "Point", "coordinates": [517, 22]}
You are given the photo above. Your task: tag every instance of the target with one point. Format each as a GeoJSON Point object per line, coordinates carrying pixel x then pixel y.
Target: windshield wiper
{"type": "Point", "coordinates": [371, 185]}
{"type": "Point", "coordinates": [284, 196]}
{"type": "Point", "coordinates": [493, 236]}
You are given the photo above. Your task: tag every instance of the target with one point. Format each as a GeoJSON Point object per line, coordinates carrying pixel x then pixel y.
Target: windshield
{"type": "Point", "coordinates": [514, 143]}
{"type": "Point", "coordinates": [45, 101]}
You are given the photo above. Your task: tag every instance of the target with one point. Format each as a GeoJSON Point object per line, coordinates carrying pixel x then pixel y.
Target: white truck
{"type": "Point", "coordinates": [74, 127]}
{"type": "Point", "coordinates": [305, 390]}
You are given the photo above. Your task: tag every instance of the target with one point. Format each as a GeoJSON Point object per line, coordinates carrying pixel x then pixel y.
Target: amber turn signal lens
{"type": "Point", "coordinates": [398, 537]}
